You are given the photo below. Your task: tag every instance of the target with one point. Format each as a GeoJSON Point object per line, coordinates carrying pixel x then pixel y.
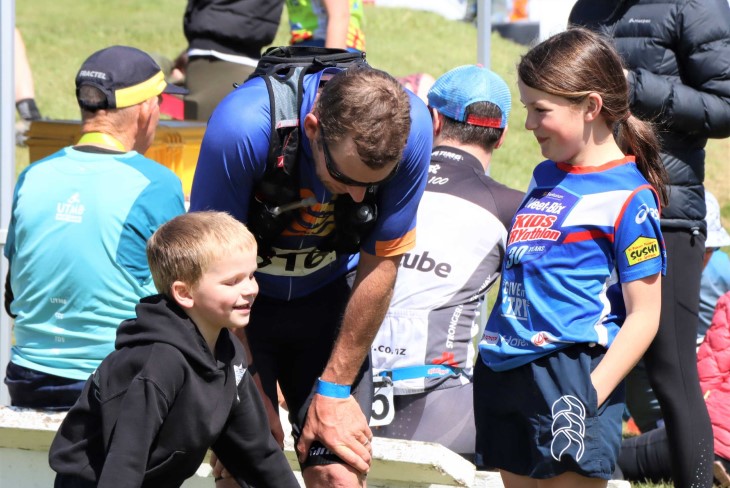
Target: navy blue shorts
{"type": "Point", "coordinates": [291, 342]}
{"type": "Point", "coordinates": [541, 420]}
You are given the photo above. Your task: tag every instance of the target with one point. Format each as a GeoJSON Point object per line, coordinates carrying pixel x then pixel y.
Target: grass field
{"type": "Point", "coordinates": [60, 34]}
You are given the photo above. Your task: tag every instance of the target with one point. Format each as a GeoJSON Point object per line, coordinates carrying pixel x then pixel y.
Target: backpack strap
{"type": "Point", "coordinates": [277, 193]}
{"type": "Point", "coordinates": [283, 69]}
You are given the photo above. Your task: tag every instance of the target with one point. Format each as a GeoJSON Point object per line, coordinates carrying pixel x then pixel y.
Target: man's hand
{"type": "Point", "coordinates": [340, 425]}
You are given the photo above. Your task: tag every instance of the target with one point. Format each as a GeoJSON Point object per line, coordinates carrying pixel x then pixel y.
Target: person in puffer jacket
{"type": "Point", "coordinates": [646, 457]}
{"type": "Point", "coordinates": [677, 59]}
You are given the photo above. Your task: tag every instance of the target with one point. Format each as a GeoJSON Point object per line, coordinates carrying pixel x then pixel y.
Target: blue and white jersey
{"type": "Point", "coordinates": [76, 246]}
{"type": "Point", "coordinates": [579, 234]}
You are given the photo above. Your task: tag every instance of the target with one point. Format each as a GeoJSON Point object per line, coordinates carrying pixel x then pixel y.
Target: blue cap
{"type": "Point", "coordinates": [454, 91]}
{"type": "Point", "coordinates": [125, 75]}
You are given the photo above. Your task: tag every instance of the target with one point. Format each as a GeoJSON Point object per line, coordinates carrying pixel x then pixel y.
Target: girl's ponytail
{"type": "Point", "coordinates": [638, 138]}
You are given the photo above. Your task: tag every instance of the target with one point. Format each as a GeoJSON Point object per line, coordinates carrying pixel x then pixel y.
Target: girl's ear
{"type": "Point", "coordinates": [593, 105]}
{"type": "Point", "coordinates": [182, 294]}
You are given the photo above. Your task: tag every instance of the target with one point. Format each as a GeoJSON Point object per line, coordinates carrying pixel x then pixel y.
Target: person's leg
{"type": "Point", "coordinates": [264, 334]}
{"type": "Point", "coordinates": [209, 80]}
{"type": "Point", "coordinates": [572, 480]}
{"type": "Point", "coordinates": [646, 457]}
{"type": "Point", "coordinates": [721, 469]}
{"type": "Point", "coordinates": [511, 480]}
{"type": "Point", "coordinates": [442, 416]}
{"type": "Point", "coordinates": [671, 363]}
{"type": "Point", "coordinates": [308, 328]}
{"type": "Point", "coordinates": [34, 389]}
{"type": "Point", "coordinates": [640, 399]}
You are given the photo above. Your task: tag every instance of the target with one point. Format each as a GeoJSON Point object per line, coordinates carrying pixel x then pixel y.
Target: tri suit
{"type": "Point", "coordinates": [303, 291]}
{"type": "Point", "coordinates": [426, 344]}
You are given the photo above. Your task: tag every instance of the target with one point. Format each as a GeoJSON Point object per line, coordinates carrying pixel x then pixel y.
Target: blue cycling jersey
{"type": "Point", "coordinates": [233, 158]}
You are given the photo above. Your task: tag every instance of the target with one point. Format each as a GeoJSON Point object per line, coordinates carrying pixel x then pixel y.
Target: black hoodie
{"type": "Point", "coordinates": [154, 406]}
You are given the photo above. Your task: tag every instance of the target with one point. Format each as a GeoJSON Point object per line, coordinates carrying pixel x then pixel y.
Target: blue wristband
{"type": "Point", "coordinates": [332, 390]}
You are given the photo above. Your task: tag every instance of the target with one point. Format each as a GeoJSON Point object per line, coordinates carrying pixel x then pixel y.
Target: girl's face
{"type": "Point", "coordinates": [557, 124]}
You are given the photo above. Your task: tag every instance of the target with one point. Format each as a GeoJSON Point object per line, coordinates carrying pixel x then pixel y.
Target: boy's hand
{"type": "Point", "coordinates": [222, 477]}
{"type": "Point", "coordinates": [340, 425]}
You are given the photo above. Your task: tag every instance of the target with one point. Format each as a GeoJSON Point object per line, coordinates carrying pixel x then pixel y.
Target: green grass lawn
{"type": "Point", "coordinates": [60, 34]}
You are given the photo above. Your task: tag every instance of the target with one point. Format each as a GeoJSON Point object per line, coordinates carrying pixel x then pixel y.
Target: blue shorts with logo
{"type": "Point", "coordinates": [541, 419]}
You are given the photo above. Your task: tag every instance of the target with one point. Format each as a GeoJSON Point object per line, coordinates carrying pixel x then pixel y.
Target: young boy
{"type": "Point", "coordinates": [177, 382]}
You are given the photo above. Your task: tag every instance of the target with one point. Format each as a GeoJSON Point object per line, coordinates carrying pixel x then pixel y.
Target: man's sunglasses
{"type": "Point", "coordinates": [346, 180]}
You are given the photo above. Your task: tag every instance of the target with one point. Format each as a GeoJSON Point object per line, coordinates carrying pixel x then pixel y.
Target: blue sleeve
{"type": "Point", "coordinates": [638, 239]}
{"type": "Point", "coordinates": [159, 202]}
{"type": "Point", "coordinates": [395, 230]}
{"type": "Point", "coordinates": [233, 152]}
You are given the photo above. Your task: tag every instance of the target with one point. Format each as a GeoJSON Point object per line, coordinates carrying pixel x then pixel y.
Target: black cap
{"type": "Point", "coordinates": [126, 75]}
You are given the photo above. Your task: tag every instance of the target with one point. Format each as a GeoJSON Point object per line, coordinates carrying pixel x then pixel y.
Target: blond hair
{"type": "Point", "coordinates": [184, 247]}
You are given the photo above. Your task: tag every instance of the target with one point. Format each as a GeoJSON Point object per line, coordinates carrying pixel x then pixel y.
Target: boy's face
{"type": "Point", "coordinates": [224, 295]}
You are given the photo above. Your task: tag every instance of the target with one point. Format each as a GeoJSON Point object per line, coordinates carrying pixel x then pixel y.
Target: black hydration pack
{"type": "Point", "coordinates": [276, 197]}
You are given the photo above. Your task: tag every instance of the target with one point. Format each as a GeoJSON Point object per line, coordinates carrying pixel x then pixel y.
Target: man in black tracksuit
{"type": "Point", "coordinates": [677, 55]}
{"type": "Point", "coordinates": [225, 40]}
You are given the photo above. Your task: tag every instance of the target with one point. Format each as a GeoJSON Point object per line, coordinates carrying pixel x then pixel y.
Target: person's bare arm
{"type": "Point", "coordinates": [643, 304]}
{"type": "Point", "coordinates": [339, 423]}
{"type": "Point", "coordinates": [272, 411]}
{"type": "Point", "coordinates": [338, 23]}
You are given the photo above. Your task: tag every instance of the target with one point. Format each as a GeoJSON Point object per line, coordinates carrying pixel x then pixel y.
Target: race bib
{"type": "Point", "coordinates": [292, 263]}
{"type": "Point", "coordinates": [383, 410]}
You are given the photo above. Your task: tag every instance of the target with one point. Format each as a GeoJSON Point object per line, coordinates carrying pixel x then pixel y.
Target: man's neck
{"type": "Point", "coordinates": [100, 136]}
{"type": "Point", "coordinates": [101, 140]}
{"type": "Point", "coordinates": [481, 154]}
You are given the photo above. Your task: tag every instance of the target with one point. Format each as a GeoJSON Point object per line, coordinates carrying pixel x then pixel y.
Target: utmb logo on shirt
{"type": "Point", "coordinates": [642, 249]}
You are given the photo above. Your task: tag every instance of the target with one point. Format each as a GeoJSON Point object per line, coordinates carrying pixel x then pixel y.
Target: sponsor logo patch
{"type": "Point", "coordinates": [642, 249]}
{"type": "Point", "coordinates": [490, 338]}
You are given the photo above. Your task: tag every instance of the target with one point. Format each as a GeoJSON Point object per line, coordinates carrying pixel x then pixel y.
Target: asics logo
{"type": "Point", "coordinates": [569, 428]}
{"type": "Point", "coordinates": [644, 211]}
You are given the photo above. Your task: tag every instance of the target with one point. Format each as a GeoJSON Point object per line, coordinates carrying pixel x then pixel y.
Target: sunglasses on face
{"type": "Point", "coordinates": [346, 180]}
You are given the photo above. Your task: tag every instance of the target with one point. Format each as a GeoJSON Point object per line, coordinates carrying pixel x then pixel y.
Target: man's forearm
{"type": "Point", "coordinates": [365, 311]}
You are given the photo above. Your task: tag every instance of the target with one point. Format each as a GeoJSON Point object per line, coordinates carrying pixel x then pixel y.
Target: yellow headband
{"type": "Point", "coordinates": [132, 95]}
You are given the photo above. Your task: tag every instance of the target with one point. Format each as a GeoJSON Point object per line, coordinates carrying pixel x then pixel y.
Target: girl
{"type": "Point", "coordinates": [580, 294]}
